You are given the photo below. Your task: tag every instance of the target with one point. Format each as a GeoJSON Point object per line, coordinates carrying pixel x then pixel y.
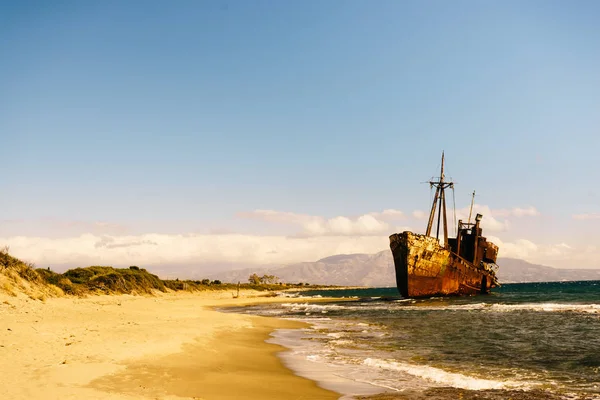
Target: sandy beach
{"type": "Point", "coordinates": [172, 346]}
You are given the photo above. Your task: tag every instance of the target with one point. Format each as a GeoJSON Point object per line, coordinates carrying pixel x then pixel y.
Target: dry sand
{"type": "Point", "coordinates": [132, 347]}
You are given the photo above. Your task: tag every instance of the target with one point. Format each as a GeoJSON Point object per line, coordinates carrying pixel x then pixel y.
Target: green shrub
{"type": "Point", "coordinates": [80, 275]}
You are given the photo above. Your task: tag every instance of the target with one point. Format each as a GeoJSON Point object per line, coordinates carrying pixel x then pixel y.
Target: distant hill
{"type": "Point", "coordinates": [377, 270]}
{"type": "Point", "coordinates": [343, 269]}
{"type": "Point", "coordinates": [515, 270]}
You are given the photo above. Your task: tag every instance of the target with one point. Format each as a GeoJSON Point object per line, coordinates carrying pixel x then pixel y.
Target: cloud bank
{"type": "Point", "coordinates": [154, 249]}
{"type": "Point", "coordinates": [203, 249]}
{"type": "Point", "coordinates": [561, 255]}
{"type": "Point", "coordinates": [375, 223]}
{"type": "Point", "coordinates": [494, 220]}
{"type": "Point", "coordinates": [313, 237]}
{"type": "Point", "coordinates": [588, 216]}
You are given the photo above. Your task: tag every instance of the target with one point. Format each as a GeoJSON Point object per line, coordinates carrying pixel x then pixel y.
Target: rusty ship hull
{"type": "Point", "coordinates": [424, 268]}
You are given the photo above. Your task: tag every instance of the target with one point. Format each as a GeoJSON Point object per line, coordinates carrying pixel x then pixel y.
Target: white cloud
{"type": "Point", "coordinates": [389, 214]}
{"type": "Point", "coordinates": [559, 255]}
{"type": "Point", "coordinates": [50, 226]}
{"type": "Point", "coordinates": [368, 224]}
{"type": "Point", "coordinates": [525, 212]}
{"type": "Point", "coordinates": [321, 238]}
{"type": "Point", "coordinates": [279, 216]}
{"type": "Point", "coordinates": [494, 220]}
{"type": "Point", "coordinates": [489, 223]}
{"type": "Point", "coordinates": [560, 249]}
{"type": "Point", "coordinates": [516, 212]}
{"type": "Point", "coordinates": [313, 237]}
{"type": "Point", "coordinates": [520, 248]}
{"type": "Point", "coordinates": [377, 223]}
{"type": "Point", "coordinates": [418, 214]}
{"type": "Point", "coordinates": [586, 216]}
{"type": "Point", "coordinates": [202, 249]}
{"type": "Point", "coordinates": [363, 225]}
{"type": "Point", "coordinates": [155, 249]}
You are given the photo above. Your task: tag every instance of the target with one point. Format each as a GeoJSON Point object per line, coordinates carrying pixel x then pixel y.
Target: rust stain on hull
{"type": "Point", "coordinates": [424, 268]}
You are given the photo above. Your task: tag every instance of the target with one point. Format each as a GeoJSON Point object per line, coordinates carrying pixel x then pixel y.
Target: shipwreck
{"type": "Point", "coordinates": [429, 266]}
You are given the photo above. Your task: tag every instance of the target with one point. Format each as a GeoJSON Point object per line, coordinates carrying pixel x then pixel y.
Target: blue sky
{"type": "Point", "coordinates": [188, 116]}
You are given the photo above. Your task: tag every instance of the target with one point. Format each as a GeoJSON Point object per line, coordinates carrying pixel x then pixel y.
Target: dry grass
{"type": "Point", "coordinates": [18, 277]}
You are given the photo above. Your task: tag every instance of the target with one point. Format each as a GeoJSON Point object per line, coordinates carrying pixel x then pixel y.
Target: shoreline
{"type": "Point", "coordinates": [169, 346]}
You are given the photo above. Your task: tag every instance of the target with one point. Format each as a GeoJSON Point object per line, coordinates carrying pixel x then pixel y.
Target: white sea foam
{"type": "Point", "coordinates": [310, 307]}
{"type": "Point", "coordinates": [549, 307]}
{"type": "Point", "coordinates": [298, 295]}
{"type": "Point", "coordinates": [540, 307]}
{"type": "Point", "coordinates": [342, 342]}
{"type": "Point", "coordinates": [440, 376]}
{"type": "Point", "coordinates": [314, 321]}
{"type": "Point", "coordinates": [577, 396]}
{"type": "Point", "coordinates": [313, 360]}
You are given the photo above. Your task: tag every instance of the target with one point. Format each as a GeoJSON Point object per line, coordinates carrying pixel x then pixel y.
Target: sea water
{"type": "Point", "coordinates": [540, 339]}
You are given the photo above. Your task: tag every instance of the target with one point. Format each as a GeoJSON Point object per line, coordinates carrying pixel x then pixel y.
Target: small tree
{"type": "Point", "coordinates": [254, 279]}
{"type": "Point", "coordinates": [206, 282]}
{"type": "Point", "coordinates": [269, 279]}
{"type": "Point", "coordinates": [216, 282]}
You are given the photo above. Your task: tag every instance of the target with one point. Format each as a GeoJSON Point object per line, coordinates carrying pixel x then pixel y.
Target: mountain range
{"type": "Point", "coordinates": [377, 270]}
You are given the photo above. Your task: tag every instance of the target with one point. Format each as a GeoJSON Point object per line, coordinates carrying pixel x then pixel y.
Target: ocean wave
{"type": "Point", "coordinates": [308, 320]}
{"type": "Point", "coordinates": [440, 376]}
{"type": "Point", "coordinates": [342, 342]}
{"type": "Point", "coordinates": [592, 308]}
{"type": "Point", "coordinates": [541, 307]}
{"type": "Point", "coordinates": [310, 307]}
{"type": "Point", "coordinates": [550, 307]}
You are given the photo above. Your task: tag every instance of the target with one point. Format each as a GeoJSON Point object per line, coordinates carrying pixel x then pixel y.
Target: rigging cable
{"type": "Point", "coordinates": [454, 205]}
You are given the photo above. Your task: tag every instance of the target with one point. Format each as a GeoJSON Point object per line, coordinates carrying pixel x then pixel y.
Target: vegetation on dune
{"type": "Point", "coordinates": [17, 276]}
{"type": "Point", "coordinates": [115, 280]}
{"type": "Point", "coordinates": [11, 264]}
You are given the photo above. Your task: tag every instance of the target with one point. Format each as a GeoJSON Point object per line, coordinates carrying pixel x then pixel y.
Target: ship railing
{"type": "Point", "coordinates": [489, 267]}
{"type": "Point", "coordinates": [464, 261]}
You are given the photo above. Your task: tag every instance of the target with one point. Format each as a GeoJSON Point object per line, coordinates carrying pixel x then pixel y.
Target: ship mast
{"type": "Point", "coordinates": [471, 209]}
{"type": "Point", "coordinates": [440, 197]}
